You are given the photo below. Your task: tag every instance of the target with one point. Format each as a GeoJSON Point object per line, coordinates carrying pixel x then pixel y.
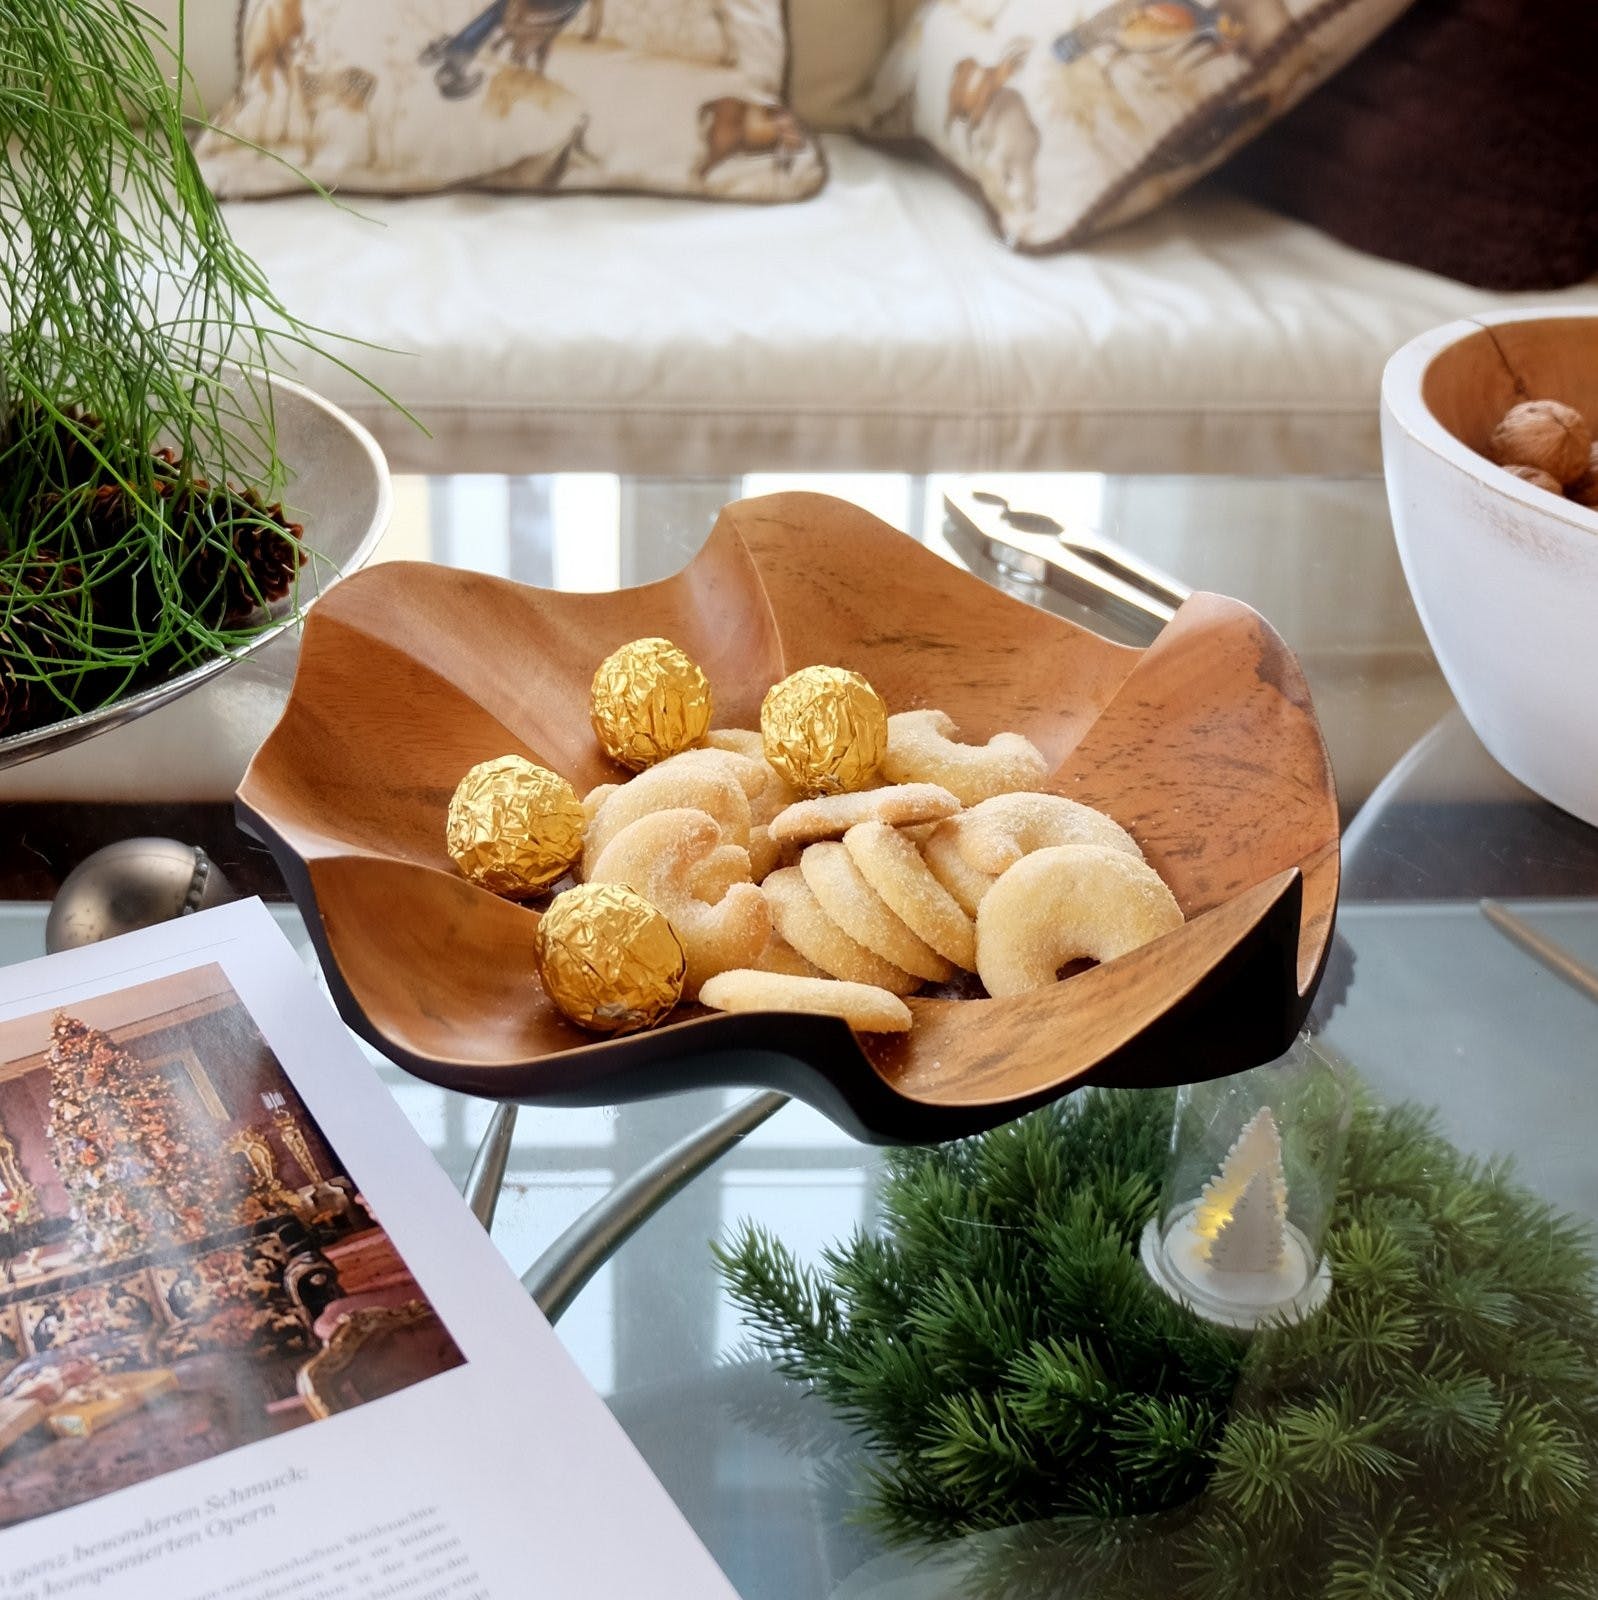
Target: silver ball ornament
{"type": "Point", "coordinates": [134, 883]}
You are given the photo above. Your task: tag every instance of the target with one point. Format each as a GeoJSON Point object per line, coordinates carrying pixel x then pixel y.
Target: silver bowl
{"type": "Point", "coordinates": [339, 490]}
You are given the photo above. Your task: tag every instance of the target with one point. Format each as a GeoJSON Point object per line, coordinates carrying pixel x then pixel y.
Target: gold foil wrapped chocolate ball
{"type": "Point", "coordinates": [609, 960]}
{"type": "Point", "coordinates": [649, 701]}
{"type": "Point", "coordinates": [514, 827]}
{"type": "Point", "coordinates": [825, 730]}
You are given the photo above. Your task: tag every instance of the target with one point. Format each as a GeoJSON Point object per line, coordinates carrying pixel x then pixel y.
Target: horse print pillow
{"type": "Point", "coordinates": [665, 96]}
{"type": "Point", "coordinates": [1072, 116]}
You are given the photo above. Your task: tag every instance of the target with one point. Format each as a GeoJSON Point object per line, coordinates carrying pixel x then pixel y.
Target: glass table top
{"type": "Point", "coordinates": [1427, 997]}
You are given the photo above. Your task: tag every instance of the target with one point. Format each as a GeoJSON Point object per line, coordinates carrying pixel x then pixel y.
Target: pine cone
{"type": "Point", "coordinates": [227, 585]}
{"type": "Point", "coordinates": [16, 694]}
{"type": "Point", "coordinates": [272, 555]}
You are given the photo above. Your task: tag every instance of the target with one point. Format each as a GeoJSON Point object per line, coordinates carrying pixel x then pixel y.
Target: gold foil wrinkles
{"type": "Point", "coordinates": [649, 701]}
{"type": "Point", "coordinates": [825, 730]}
{"type": "Point", "coordinates": [514, 827]}
{"type": "Point", "coordinates": [609, 960]}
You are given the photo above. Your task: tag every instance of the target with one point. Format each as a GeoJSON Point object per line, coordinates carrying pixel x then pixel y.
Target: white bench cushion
{"type": "Point", "coordinates": [880, 326]}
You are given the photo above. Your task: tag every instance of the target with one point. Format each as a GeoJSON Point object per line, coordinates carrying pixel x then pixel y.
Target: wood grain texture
{"type": "Point", "coordinates": [1470, 385]}
{"type": "Point", "coordinates": [1205, 746]}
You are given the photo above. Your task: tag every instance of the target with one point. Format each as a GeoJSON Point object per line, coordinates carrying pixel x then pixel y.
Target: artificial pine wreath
{"type": "Point", "coordinates": [999, 1348]}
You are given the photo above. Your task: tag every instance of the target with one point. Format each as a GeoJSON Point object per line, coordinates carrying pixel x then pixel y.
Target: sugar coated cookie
{"type": "Point", "coordinates": [780, 956]}
{"type": "Point", "coordinates": [857, 908]}
{"type": "Point", "coordinates": [832, 816]}
{"type": "Point", "coordinates": [869, 1009]}
{"type": "Point", "coordinates": [773, 793]}
{"type": "Point", "coordinates": [922, 749]}
{"type": "Point", "coordinates": [740, 741]}
{"type": "Point", "coordinates": [892, 865]}
{"type": "Point", "coordinates": [595, 798]}
{"type": "Point", "coordinates": [765, 854]}
{"type": "Point", "coordinates": [664, 857]}
{"type": "Point", "coordinates": [798, 917]}
{"type": "Point", "coordinates": [995, 834]}
{"type": "Point", "coordinates": [1065, 903]}
{"type": "Point", "coordinates": [711, 781]}
{"type": "Point", "coordinates": [941, 852]}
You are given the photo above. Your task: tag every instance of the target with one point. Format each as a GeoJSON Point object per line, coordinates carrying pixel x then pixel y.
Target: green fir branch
{"type": "Point", "coordinates": [1011, 1372]}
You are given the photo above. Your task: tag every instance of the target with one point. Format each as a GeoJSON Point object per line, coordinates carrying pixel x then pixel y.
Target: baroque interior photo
{"type": "Point", "coordinates": [185, 1267]}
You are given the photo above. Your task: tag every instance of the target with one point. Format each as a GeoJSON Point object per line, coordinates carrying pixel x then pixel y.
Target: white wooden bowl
{"type": "Point", "coordinates": [1504, 575]}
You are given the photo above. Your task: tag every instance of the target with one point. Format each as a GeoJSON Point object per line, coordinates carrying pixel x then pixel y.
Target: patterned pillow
{"type": "Point", "coordinates": [1072, 116]}
{"type": "Point", "coordinates": [666, 96]}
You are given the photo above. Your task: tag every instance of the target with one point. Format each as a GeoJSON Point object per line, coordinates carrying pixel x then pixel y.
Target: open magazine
{"type": "Point", "coordinates": [253, 1345]}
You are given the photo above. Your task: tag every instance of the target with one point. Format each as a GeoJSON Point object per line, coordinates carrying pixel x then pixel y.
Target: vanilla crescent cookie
{"type": "Point", "coordinates": [711, 781]}
{"type": "Point", "coordinates": [665, 857]}
{"type": "Point", "coordinates": [892, 865]}
{"type": "Point", "coordinates": [775, 793]}
{"type": "Point", "coordinates": [1064, 903]}
{"type": "Point", "coordinates": [922, 749]}
{"type": "Point", "coordinates": [857, 908]}
{"type": "Point", "coordinates": [595, 798]}
{"type": "Point", "coordinates": [869, 1009]}
{"type": "Point", "coordinates": [798, 917]}
{"type": "Point", "coordinates": [740, 741]}
{"type": "Point", "coordinates": [941, 852]}
{"type": "Point", "coordinates": [995, 834]}
{"type": "Point", "coordinates": [832, 816]}
{"type": "Point", "coordinates": [765, 854]}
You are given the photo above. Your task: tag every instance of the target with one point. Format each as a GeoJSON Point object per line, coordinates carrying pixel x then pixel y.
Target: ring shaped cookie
{"type": "Point", "coordinates": [664, 858]}
{"type": "Point", "coordinates": [941, 852]}
{"type": "Point", "coordinates": [994, 835]}
{"type": "Point", "coordinates": [922, 749]}
{"type": "Point", "coordinates": [798, 917]}
{"type": "Point", "coordinates": [892, 865]}
{"type": "Point", "coordinates": [861, 912]}
{"type": "Point", "coordinates": [1065, 903]}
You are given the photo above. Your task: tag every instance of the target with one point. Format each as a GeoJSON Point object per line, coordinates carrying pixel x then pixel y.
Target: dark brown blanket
{"type": "Point", "coordinates": [1464, 141]}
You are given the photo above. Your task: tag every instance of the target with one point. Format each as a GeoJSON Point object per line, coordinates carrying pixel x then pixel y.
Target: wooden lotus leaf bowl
{"type": "Point", "coordinates": [1204, 745]}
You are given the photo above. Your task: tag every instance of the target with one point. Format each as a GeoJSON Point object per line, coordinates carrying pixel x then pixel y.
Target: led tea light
{"type": "Point", "coordinates": [1242, 1245]}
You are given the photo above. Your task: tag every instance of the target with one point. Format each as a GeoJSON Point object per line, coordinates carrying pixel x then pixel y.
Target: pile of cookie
{"type": "Point", "coordinates": [835, 861]}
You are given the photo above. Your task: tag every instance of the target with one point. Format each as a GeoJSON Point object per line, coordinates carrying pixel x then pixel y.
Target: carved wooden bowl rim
{"type": "Point", "coordinates": [1205, 745]}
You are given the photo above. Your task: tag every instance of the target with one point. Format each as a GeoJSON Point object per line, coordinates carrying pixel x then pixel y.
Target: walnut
{"type": "Point", "coordinates": [1538, 479]}
{"type": "Point", "coordinates": [1544, 434]}
{"type": "Point", "coordinates": [1584, 491]}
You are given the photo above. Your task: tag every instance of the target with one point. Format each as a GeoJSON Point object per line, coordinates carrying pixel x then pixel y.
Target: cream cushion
{"type": "Point", "coordinates": [879, 326]}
